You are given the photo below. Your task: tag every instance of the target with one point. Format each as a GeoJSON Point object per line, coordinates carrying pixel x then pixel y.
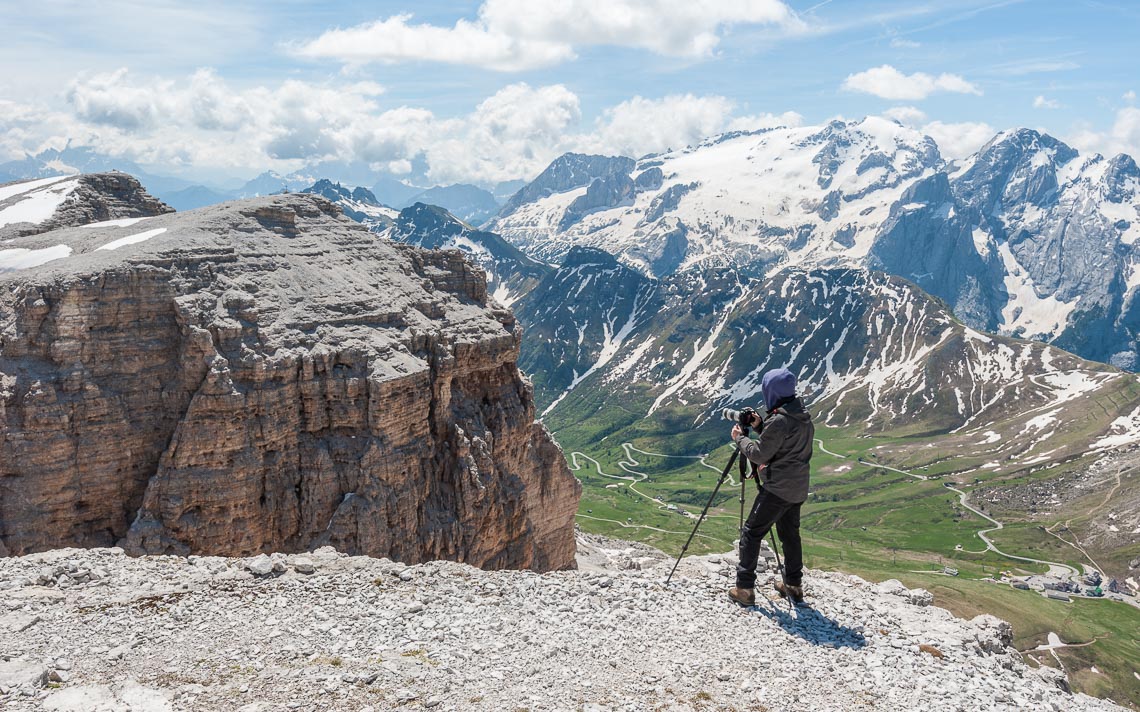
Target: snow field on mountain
{"type": "Point", "coordinates": [121, 222]}
{"type": "Point", "coordinates": [23, 258]}
{"type": "Point", "coordinates": [1037, 316]}
{"type": "Point", "coordinates": [18, 188]}
{"type": "Point", "coordinates": [1125, 430]}
{"type": "Point", "coordinates": [741, 186]}
{"type": "Point", "coordinates": [34, 201]}
{"type": "Point", "coordinates": [132, 239]}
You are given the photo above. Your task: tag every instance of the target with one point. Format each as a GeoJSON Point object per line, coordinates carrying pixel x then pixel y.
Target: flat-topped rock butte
{"type": "Point", "coordinates": [266, 375]}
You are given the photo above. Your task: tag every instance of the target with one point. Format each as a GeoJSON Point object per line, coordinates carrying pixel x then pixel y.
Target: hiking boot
{"type": "Point", "coordinates": [785, 590]}
{"type": "Point", "coordinates": [742, 596]}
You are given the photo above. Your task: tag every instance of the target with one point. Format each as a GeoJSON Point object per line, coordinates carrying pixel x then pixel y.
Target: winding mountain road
{"type": "Point", "coordinates": [1054, 567]}
{"type": "Point", "coordinates": [633, 477]}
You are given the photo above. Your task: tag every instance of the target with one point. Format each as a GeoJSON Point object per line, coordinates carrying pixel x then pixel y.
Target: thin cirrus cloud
{"type": "Point", "coordinates": [887, 82]}
{"type": "Point", "coordinates": [518, 35]}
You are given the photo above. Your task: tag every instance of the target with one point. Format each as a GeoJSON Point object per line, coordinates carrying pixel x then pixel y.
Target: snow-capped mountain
{"type": "Point", "coordinates": [358, 203]}
{"type": "Point", "coordinates": [510, 273]}
{"type": "Point", "coordinates": [870, 349]}
{"type": "Point", "coordinates": [1030, 238]}
{"type": "Point", "coordinates": [577, 318]}
{"type": "Point", "coordinates": [783, 195]}
{"type": "Point", "coordinates": [571, 172]}
{"type": "Point", "coordinates": [1026, 237]}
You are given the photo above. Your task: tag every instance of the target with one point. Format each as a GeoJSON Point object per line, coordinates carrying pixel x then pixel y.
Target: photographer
{"type": "Point", "coordinates": [783, 448]}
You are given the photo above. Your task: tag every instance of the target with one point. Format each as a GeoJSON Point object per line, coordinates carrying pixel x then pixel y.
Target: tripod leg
{"type": "Point", "coordinates": [723, 477]}
{"type": "Point", "coordinates": [776, 550]}
{"type": "Point", "coordinates": [740, 531]}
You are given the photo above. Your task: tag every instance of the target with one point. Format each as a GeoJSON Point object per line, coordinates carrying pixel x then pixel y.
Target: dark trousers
{"type": "Point", "coordinates": [768, 509]}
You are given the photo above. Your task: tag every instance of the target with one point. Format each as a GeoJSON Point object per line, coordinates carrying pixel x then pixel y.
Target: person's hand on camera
{"type": "Point", "coordinates": [756, 420]}
{"type": "Point", "coordinates": [736, 432]}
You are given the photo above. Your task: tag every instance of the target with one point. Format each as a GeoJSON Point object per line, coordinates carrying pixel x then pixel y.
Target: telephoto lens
{"type": "Point", "coordinates": [743, 417]}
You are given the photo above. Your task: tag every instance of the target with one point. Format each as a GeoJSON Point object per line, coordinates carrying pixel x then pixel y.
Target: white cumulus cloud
{"type": "Point", "coordinates": [1042, 103]}
{"type": "Point", "coordinates": [639, 125]}
{"type": "Point", "coordinates": [906, 115]}
{"type": "Point", "coordinates": [958, 140]}
{"type": "Point", "coordinates": [205, 123]}
{"type": "Point", "coordinates": [889, 83]}
{"type": "Point", "coordinates": [516, 35]}
{"type": "Point", "coordinates": [1122, 137]}
{"type": "Point", "coordinates": [516, 132]}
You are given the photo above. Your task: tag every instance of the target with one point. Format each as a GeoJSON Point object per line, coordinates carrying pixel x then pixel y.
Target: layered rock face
{"type": "Point", "coordinates": [267, 375]}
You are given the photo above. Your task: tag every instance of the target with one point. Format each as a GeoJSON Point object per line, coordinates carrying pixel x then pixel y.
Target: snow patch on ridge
{"type": "Point", "coordinates": [21, 258]}
{"type": "Point", "coordinates": [9, 191]}
{"type": "Point", "coordinates": [38, 204]}
{"type": "Point", "coordinates": [121, 222]}
{"type": "Point", "coordinates": [132, 239]}
{"type": "Point", "coordinates": [701, 353]}
{"type": "Point", "coordinates": [1125, 430]}
{"type": "Point", "coordinates": [1036, 315]}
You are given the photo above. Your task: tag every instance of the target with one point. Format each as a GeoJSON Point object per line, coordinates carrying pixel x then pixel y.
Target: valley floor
{"type": "Point", "coordinates": [87, 630]}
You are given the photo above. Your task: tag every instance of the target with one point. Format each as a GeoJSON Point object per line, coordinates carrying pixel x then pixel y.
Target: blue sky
{"type": "Point", "coordinates": [493, 90]}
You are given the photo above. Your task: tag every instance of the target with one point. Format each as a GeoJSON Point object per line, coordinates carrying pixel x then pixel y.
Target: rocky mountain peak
{"type": "Point", "coordinates": [580, 256]}
{"type": "Point", "coordinates": [1122, 179]}
{"type": "Point", "coordinates": [358, 203]}
{"type": "Point", "coordinates": [510, 273]}
{"type": "Point", "coordinates": [426, 218]}
{"type": "Point", "coordinates": [568, 171]}
{"type": "Point", "coordinates": [337, 192]}
{"type": "Point", "coordinates": [1015, 167]}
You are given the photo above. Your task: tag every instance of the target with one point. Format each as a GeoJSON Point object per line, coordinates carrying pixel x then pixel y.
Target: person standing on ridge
{"type": "Point", "coordinates": [784, 448]}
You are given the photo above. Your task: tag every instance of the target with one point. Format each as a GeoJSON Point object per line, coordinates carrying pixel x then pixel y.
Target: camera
{"type": "Point", "coordinates": [742, 417]}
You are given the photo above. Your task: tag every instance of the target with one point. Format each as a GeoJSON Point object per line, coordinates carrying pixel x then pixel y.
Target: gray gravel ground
{"type": "Point", "coordinates": [94, 630]}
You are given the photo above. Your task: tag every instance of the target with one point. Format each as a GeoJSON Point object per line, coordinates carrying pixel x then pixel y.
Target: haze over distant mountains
{"type": "Point", "coordinates": [469, 202]}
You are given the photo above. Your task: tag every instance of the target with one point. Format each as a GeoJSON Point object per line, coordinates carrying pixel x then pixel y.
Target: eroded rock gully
{"type": "Point", "coordinates": [266, 375]}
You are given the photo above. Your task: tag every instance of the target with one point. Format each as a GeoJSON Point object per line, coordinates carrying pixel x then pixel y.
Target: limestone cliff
{"type": "Point", "coordinates": [267, 375]}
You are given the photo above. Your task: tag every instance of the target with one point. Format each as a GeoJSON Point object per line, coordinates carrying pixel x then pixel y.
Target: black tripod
{"type": "Point", "coordinates": [744, 475]}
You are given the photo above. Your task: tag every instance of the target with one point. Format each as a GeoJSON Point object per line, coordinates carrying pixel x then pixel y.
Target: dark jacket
{"type": "Point", "coordinates": [785, 446]}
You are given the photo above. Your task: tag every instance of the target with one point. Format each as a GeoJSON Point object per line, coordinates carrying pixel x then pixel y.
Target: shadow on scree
{"type": "Point", "coordinates": [813, 626]}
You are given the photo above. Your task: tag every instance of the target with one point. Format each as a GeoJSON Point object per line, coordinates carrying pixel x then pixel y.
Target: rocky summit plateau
{"type": "Point", "coordinates": [96, 630]}
{"type": "Point", "coordinates": [266, 375]}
